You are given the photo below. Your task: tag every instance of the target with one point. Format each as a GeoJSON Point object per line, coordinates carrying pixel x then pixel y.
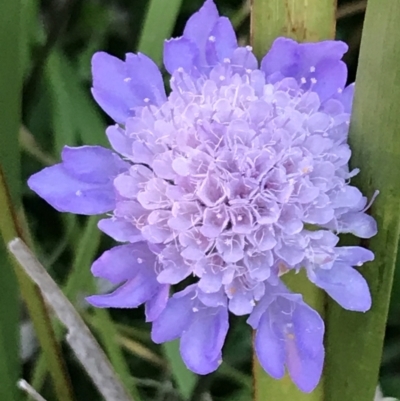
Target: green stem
{"type": "Point", "coordinates": [355, 340]}
{"type": "Point", "coordinates": [38, 312]}
{"type": "Point", "coordinates": [302, 20]}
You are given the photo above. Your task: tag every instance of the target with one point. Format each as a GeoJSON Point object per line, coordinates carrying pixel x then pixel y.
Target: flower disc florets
{"type": "Point", "coordinates": [239, 176]}
{"type": "Point", "coordinates": [230, 173]}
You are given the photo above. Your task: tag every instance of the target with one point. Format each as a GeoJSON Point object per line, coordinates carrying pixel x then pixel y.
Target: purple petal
{"type": "Point", "coordinates": [241, 302]}
{"type": "Point", "coordinates": [304, 348]}
{"type": "Point", "coordinates": [210, 282]}
{"type": "Point", "coordinates": [92, 164]}
{"type": "Point", "coordinates": [202, 343]}
{"type": "Point", "coordinates": [156, 304]}
{"type": "Point", "coordinates": [292, 59]}
{"type": "Point", "coordinates": [309, 329]}
{"type": "Point", "coordinates": [199, 27]}
{"type": "Point", "coordinates": [119, 86]}
{"type": "Point", "coordinates": [305, 371]}
{"type": "Point", "coordinates": [211, 192]}
{"type": "Point", "coordinates": [241, 219]}
{"type": "Point", "coordinates": [230, 246]}
{"type": "Point", "coordinates": [130, 295]}
{"type": "Point", "coordinates": [174, 274]}
{"type": "Point", "coordinates": [174, 267]}
{"type": "Point", "coordinates": [346, 98]}
{"type": "Point", "coordinates": [124, 262]}
{"type": "Point", "coordinates": [263, 238]}
{"type": "Point", "coordinates": [360, 224]}
{"type": "Point", "coordinates": [67, 194]}
{"type": "Point", "coordinates": [269, 348]}
{"type": "Point", "coordinates": [222, 42]}
{"type": "Point", "coordinates": [212, 299]}
{"type": "Point", "coordinates": [214, 221]}
{"type": "Point", "coordinates": [179, 53]}
{"type": "Point", "coordinates": [331, 78]}
{"type": "Point", "coordinates": [354, 255]}
{"type": "Point", "coordinates": [120, 230]}
{"type": "Point", "coordinates": [243, 57]}
{"type": "Point", "coordinates": [283, 57]}
{"type": "Point", "coordinates": [346, 286]}
{"type": "Point", "coordinates": [174, 319]}
{"type": "Point", "coordinates": [110, 88]}
{"type": "Point", "coordinates": [145, 79]}
{"type": "Point", "coordinates": [118, 140]}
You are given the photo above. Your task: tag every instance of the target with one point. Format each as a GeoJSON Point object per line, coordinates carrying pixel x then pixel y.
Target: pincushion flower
{"type": "Point", "coordinates": [235, 178]}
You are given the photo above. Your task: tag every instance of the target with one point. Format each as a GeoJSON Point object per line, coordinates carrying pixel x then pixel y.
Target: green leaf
{"type": "Point", "coordinates": [90, 126]}
{"type": "Point", "coordinates": [354, 339]}
{"type": "Point", "coordinates": [75, 117]}
{"type": "Point", "coordinates": [10, 98]}
{"type": "Point", "coordinates": [157, 26]}
{"type": "Point", "coordinates": [10, 369]}
{"type": "Point", "coordinates": [302, 20]}
{"type": "Point", "coordinates": [62, 107]}
{"type": "Point", "coordinates": [185, 379]}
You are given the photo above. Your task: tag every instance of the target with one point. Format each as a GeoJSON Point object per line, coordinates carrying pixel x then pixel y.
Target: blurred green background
{"type": "Point", "coordinates": [56, 41]}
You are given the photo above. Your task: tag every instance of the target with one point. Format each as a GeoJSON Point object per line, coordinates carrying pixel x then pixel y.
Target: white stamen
{"type": "Point", "coordinates": [211, 38]}
{"type": "Point", "coordinates": [146, 100]}
{"type": "Point", "coordinates": [78, 192]}
{"type": "Point", "coordinates": [127, 79]}
{"type": "Point", "coordinates": [303, 80]}
{"type": "Point", "coordinates": [139, 260]}
{"type": "Point", "coordinates": [249, 48]}
{"type": "Point", "coordinates": [313, 80]}
{"type": "Point", "coordinates": [312, 69]}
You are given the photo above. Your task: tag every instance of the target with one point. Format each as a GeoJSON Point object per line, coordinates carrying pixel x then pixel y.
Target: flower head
{"type": "Point", "coordinates": [235, 178]}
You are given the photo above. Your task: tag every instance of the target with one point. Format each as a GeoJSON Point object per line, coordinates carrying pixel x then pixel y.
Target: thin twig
{"type": "Point", "coordinates": [28, 144]}
{"type": "Point", "coordinates": [350, 9]}
{"type": "Point", "coordinates": [25, 386]}
{"type": "Point", "coordinates": [80, 339]}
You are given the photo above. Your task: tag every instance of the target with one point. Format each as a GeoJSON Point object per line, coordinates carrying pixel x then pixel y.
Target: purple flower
{"type": "Point", "coordinates": [289, 333]}
{"type": "Point", "coordinates": [236, 177]}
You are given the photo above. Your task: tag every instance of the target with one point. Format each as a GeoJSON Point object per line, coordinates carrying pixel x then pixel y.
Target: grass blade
{"type": "Point", "coordinates": [185, 379]}
{"type": "Point", "coordinates": [157, 26]}
{"type": "Point", "coordinates": [302, 20]}
{"type": "Point", "coordinates": [355, 340]}
{"type": "Point", "coordinates": [10, 117]}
